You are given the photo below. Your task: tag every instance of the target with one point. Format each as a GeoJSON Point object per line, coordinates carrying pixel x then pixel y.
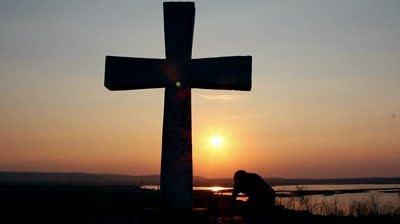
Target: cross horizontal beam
{"type": "Point", "coordinates": [125, 73]}
{"type": "Point", "coordinates": [229, 73]}
{"type": "Point", "coordinates": [178, 73]}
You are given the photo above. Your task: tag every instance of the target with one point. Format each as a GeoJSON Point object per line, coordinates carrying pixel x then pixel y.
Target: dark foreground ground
{"type": "Point", "coordinates": [114, 204]}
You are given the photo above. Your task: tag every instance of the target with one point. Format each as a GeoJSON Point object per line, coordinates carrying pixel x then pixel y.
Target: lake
{"type": "Point", "coordinates": [384, 198]}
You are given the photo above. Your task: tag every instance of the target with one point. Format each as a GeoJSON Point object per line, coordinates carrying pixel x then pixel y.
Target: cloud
{"type": "Point", "coordinates": [218, 97]}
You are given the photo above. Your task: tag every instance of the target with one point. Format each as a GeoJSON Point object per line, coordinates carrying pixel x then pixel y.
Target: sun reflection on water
{"type": "Point", "coordinates": [216, 189]}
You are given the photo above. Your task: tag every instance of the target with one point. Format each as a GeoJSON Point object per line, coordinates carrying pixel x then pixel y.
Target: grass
{"type": "Point", "coordinates": [371, 206]}
{"type": "Point", "coordinates": [116, 204]}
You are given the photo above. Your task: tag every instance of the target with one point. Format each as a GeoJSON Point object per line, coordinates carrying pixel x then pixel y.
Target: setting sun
{"type": "Point", "coordinates": [216, 141]}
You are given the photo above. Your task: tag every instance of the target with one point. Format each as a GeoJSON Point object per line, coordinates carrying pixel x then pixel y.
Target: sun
{"type": "Point", "coordinates": [216, 141]}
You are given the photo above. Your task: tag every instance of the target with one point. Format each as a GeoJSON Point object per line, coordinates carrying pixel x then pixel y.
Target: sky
{"type": "Point", "coordinates": [325, 101]}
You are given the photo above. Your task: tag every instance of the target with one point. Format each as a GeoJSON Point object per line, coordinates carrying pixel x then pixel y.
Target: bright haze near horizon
{"type": "Point", "coordinates": [325, 101]}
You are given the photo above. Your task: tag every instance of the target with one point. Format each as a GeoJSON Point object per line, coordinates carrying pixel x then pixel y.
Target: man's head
{"type": "Point", "coordinates": [239, 176]}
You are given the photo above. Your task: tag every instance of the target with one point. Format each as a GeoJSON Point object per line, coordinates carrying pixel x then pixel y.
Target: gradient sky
{"type": "Point", "coordinates": [325, 101]}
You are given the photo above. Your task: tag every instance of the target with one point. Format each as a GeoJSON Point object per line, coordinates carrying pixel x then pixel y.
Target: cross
{"type": "Point", "coordinates": [178, 73]}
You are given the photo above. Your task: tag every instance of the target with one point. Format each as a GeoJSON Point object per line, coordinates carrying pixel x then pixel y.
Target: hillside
{"type": "Point", "coordinates": [50, 178]}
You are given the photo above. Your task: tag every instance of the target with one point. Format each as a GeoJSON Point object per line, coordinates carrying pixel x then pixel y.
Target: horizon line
{"type": "Point", "coordinates": [146, 175]}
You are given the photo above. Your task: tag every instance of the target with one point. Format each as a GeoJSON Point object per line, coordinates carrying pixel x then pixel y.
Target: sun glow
{"type": "Point", "coordinates": [216, 141]}
{"type": "Point", "coordinates": [216, 188]}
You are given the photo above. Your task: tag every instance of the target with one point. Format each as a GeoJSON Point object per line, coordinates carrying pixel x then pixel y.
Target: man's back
{"type": "Point", "coordinates": [254, 186]}
{"type": "Point", "coordinates": [258, 185]}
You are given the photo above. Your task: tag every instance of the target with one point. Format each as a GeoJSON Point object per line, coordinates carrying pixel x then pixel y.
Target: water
{"type": "Point", "coordinates": [336, 187]}
{"type": "Point", "coordinates": [378, 199]}
{"type": "Point", "coordinates": [383, 201]}
{"type": "Point", "coordinates": [212, 188]}
{"type": "Point", "coordinates": [381, 190]}
{"type": "Point", "coordinates": [294, 187]}
{"type": "Point", "coordinates": [369, 203]}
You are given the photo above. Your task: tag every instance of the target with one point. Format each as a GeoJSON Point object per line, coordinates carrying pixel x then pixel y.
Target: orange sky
{"type": "Point", "coordinates": [325, 101]}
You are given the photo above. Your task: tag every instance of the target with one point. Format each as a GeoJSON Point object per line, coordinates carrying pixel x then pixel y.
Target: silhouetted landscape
{"type": "Point", "coordinates": [108, 198]}
{"type": "Point", "coordinates": [53, 178]}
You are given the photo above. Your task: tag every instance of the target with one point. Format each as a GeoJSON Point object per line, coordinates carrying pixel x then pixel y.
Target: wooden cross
{"type": "Point", "coordinates": [178, 73]}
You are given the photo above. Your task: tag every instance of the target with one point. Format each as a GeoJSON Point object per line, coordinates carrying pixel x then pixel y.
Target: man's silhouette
{"type": "Point", "coordinates": [260, 194]}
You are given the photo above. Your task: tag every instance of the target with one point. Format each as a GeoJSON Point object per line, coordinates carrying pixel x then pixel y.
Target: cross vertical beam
{"type": "Point", "coordinates": [178, 73]}
{"type": "Point", "coordinates": [176, 160]}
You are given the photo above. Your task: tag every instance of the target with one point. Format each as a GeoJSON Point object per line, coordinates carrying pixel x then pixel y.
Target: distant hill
{"type": "Point", "coordinates": [284, 181]}
{"type": "Point", "coordinates": [49, 178]}
{"type": "Point", "coordinates": [369, 180]}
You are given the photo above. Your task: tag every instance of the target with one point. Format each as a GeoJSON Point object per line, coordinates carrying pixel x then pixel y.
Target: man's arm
{"type": "Point", "coordinates": [235, 193]}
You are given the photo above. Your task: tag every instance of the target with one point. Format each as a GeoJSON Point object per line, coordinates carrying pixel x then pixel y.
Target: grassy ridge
{"type": "Point", "coordinates": [125, 204]}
